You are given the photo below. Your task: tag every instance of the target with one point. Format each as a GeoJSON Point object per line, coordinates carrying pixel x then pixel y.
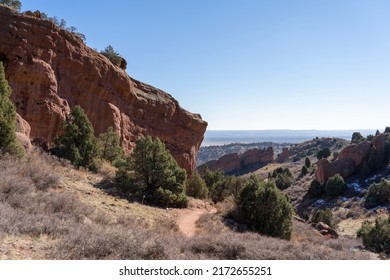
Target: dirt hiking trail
{"type": "Point", "coordinates": [186, 218]}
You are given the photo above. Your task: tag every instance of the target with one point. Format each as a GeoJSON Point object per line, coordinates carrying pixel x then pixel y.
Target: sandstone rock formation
{"type": "Point", "coordinates": [234, 162]}
{"type": "Point", "coordinates": [350, 159]}
{"type": "Point", "coordinates": [359, 153]}
{"type": "Point", "coordinates": [23, 133]}
{"type": "Point", "coordinates": [326, 169]}
{"type": "Point", "coordinates": [50, 70]}
{"type": "Point", "coordinates": [283, 155]}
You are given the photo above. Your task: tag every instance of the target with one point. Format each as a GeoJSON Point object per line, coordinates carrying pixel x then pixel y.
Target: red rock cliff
{"type": "Point", "coordinates": [50, 70]}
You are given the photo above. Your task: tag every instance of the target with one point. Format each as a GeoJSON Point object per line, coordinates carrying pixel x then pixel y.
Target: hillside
{"type": "Point", "coordinates": [53, 211]}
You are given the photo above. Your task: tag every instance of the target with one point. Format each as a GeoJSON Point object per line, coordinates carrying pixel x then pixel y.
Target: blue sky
{"type": "Point", "coordinates": [245, 64]}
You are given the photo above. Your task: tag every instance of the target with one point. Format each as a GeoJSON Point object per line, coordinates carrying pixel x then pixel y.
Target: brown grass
{"type": "Point", "coordinates": [50, 210]}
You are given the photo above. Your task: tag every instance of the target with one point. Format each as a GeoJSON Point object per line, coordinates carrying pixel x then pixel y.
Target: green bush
{"type": "Point", "coordinates": [324, 153]}
{"type": "Point", "coordinates": [196, 186]}
{"type": "Point", "coordinates": [374, 161]}
{"type": "Point", "coordinates": [304, 170]}
{"type": "Point", "coordinates": [158, 173]}
{"type": "Point", "coordinates": [379, 193]}
{"type": "Point", "coordinates": [335, 186]}
{"type": "Point", "coordinates": [110, 147]}
{"type": "Point", "coordinates": [307, 162]}
{"type": "Point", "coordinates": [387, 129]}
{"type": "Point", "coordinates": [316, 189]}
{"type": "Point", "coordinates": [78, 142]}
{"type": "Point", "coordinates": [282, 177]}
{"type": "Point", "coordinates": [221, 186]}
{"type": "Point", "coordinates": [265, 209]}
{"type": "Point", "coordinates": [376, 237]}
{"type": "Point", "coordinates": [8, 141]}
{"type": "Point", "coordinates": [324, 216]}
{"type": "Point", "coordinates": [386, 151]}
{"type": "Point", "coordinates": [113, 55]}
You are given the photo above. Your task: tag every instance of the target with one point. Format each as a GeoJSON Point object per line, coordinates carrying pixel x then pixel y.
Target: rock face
{"type": "Point", "coordinates": [50, 70]}
{"type": "Point", "coordinates": [283, 155]}
{"type": "Point", "coordinates": [359, 153]}
{"type": "Point", "coordinates": [326, 169]}
{"type": "Point", "coordinates": [23, 133]}
{"type": "Point", "coordinates": [350, 159]}
{"type": "Point", "coordinates": [234, 162]}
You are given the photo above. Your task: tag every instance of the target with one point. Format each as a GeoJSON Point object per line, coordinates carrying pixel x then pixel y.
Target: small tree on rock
{"type": "Point", "coordinates": [8, 141]}
{"type": "Point", "coordinates": [78, 142]}
{"type": "Point", "coordinates": [357, 137]}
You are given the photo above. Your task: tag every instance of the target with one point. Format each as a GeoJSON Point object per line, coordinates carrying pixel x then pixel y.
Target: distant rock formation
{"type": "Point", "coordinates": [283, 155]}
{"type": "Point", "coordinates": [50, 70]}
{"type": "Point", "coordinates": [350, 159]}
{"type": "Point", "coordinates": [234, 162]}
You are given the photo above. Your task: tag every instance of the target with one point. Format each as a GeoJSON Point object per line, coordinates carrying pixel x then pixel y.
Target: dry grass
{"type": "Point", "coordinates": [52, 211]}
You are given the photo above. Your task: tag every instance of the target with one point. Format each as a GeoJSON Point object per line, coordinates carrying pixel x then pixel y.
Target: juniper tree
{"type": "Point", "coordinates": [78, 142]}
{"type": "Point", "coordinates": [8, 141]}
{"type": "Point", "coordinates": [110, 147]}
{"type": "Point", "coordinates": [158, 173]}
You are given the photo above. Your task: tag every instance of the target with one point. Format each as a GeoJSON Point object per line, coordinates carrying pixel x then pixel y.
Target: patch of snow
{"type": "Point", "coordinates": [319, 202]}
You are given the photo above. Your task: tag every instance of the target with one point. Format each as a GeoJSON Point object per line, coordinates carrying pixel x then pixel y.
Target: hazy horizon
{"type": "Point", "coordinates": [224, 137]}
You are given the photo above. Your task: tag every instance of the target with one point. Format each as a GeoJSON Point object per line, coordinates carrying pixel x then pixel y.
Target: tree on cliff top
{"type": "Point", "coordinates": [13, 4]}
{"type": "Point", "coordinates": [8, 141]}
{"type": "Point", "coordinates": [112, 55]}
{"type": "Point", "coordinates": [78, 142]}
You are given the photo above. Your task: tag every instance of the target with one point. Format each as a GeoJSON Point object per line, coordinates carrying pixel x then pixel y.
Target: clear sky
{"type": "Point", "coordinates": [275, 64]}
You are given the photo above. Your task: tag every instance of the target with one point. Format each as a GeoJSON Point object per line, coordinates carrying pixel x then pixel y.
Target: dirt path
{"type": "Point", "coordinates": [186, 219]}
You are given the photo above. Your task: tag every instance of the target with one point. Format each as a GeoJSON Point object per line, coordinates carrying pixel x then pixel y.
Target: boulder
{"type": "Point", "coordinates": [326, 169]}
{"type": "Point", "coordinates": [326, 230]}
{"type": "Point", "coordinates": [359, 153]}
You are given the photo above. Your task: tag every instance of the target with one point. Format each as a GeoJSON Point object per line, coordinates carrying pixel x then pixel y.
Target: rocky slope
{"type": "Point", "coordinates": [50, 70]}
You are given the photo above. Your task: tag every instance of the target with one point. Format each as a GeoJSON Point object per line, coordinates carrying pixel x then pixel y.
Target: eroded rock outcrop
{"type": "Point", "coordinates": [234, 162]}
{"type": "Point", "coordinates": [326, 169]}
{"type": "Point", "coordinates": [50, 70]}
{"type": "Point", "coordinates": [351, 158]}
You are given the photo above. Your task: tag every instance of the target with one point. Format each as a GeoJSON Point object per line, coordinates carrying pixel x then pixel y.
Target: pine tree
{"type": "Point", "coordinates": [158, 173]}
{"type": "Point", "coordinates": [78, 142]}
{"type": "Point", "coordinates": [110, 147]}
{"type": "Point", "coordinates": [374, 161]}
{"type": "Point", "coordinates": [8, 141]}
{"type": "Point", "coordinates": [307, 162]}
